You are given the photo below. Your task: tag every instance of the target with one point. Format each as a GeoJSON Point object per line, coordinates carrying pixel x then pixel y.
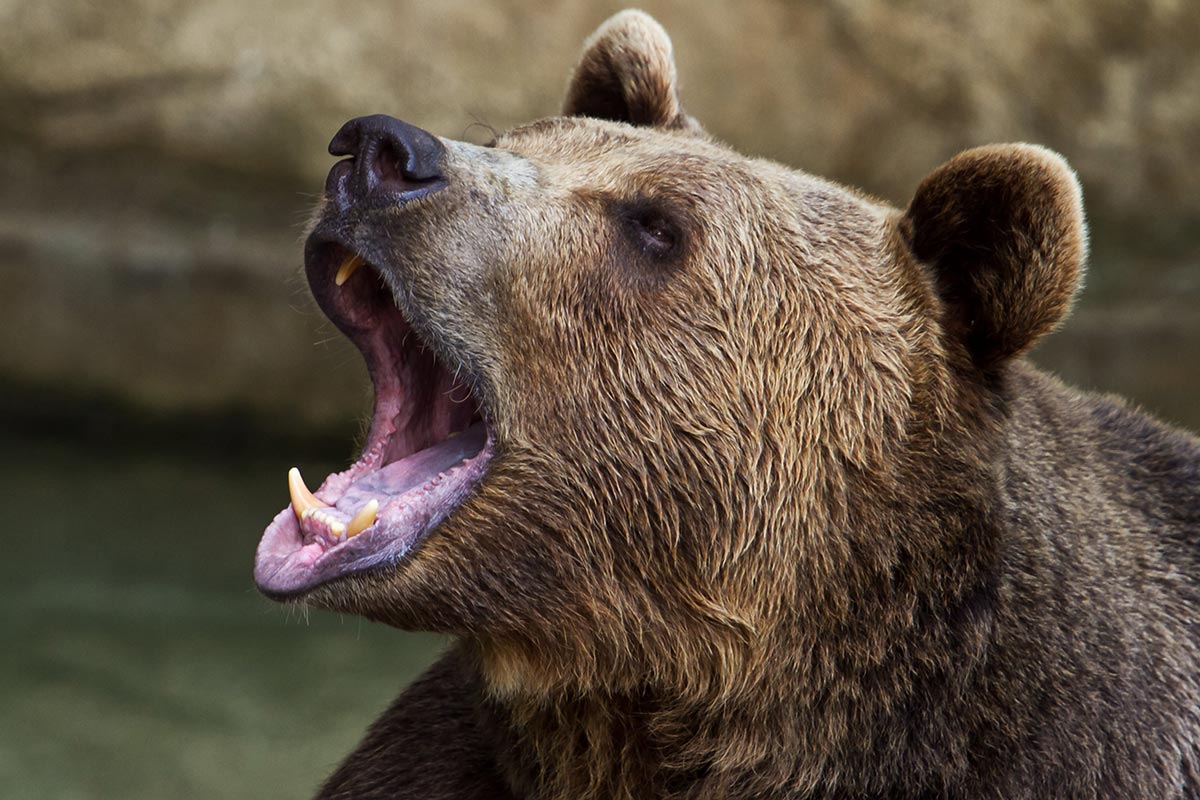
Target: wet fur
{"type": "Point", "coordinates": [789, 517]}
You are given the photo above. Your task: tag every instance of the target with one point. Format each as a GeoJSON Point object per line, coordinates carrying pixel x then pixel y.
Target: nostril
{"type": "Point", "coordinates": [403, 160]}
{"type": "Point", "coordinates": [389, 170]}
{"type": "Point", "coordinates": [389, 164]}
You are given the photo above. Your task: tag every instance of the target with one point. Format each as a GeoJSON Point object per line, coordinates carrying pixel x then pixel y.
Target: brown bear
{"type": "Point", "coordinates": [731, 482]}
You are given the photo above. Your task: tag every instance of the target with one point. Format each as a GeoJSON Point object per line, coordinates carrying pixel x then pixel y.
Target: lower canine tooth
{"type": "Point", "coordinates": [364, 519]}
{"type": "Point", "coordinates": [303, 501]}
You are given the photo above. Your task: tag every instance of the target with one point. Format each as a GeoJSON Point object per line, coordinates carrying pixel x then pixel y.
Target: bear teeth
{"type": "Point", "coordinates": [303, 501]}
{"type": "Point", "coordinates": [348, 268]}
{"type": "Point", "coordinates": [336, 527]}
{"type": "Point", "coordinates": [307, 506]}
{"type": "Point", "coordinates": [364, 519]}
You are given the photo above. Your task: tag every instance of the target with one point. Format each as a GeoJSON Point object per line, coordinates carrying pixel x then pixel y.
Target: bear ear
{"type": "Point", "coordinates": [627, 74]}
{"type": "Point", "coordinates": [1001, 228]}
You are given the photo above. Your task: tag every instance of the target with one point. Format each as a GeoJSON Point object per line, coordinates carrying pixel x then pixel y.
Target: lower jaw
{"type": "Point", "coordinates": [301, 551]}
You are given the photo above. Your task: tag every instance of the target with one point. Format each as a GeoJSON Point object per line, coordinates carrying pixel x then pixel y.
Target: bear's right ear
{"type": "Point", "coordinates": [627, 74]}
{"type": "Point", "coordinates": [1001, 230]}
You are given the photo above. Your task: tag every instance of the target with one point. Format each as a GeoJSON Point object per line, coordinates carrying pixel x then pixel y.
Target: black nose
{"type": "Point", "coordinates": [387, 157]}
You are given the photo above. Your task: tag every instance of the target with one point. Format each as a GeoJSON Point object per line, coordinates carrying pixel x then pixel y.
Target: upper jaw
{"type": "Point", "coordinates": [336, 236]}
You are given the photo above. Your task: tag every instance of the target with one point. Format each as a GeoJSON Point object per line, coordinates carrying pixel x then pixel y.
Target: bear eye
{"type": "Point", "coordinates": [652, 229]}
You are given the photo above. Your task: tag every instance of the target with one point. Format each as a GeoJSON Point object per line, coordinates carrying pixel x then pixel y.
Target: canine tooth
{"type": "Point", "coordinates": [364, 519]}
{"type": "Point", "coordinates": [303, 501]}
{"type": "Point", "coordinates": [348, 268]}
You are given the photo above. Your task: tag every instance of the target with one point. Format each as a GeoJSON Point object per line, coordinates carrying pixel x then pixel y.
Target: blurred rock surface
{"type": "Point", "coordinates": [159, 158]}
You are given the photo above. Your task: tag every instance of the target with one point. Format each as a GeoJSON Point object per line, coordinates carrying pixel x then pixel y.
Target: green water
{"type": "Point", "coordinates": [136, 659]}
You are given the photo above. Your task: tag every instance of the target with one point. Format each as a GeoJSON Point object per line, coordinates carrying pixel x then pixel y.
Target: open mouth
{"type": "Point", "coordinates": [428, 447]}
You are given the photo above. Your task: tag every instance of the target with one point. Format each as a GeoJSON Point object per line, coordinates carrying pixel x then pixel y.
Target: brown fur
{"type": "Point", "coordinates": [1009, 289]}
{"type": "Point", "coordinates": [627, 74]}
{"type": "Point", "coordinates": [783, 514]}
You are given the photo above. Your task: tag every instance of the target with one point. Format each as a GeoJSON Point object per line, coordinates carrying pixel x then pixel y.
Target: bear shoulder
{"type": "Point", "coordinates": [1093, 642]}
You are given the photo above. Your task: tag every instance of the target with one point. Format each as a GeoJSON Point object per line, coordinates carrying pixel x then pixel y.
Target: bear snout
{"type": "Point", "coordinates": [390, 162]}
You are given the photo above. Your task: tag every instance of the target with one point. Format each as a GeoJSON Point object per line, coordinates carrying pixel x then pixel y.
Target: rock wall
{"type": "Point", "coordinates": [159, 157]}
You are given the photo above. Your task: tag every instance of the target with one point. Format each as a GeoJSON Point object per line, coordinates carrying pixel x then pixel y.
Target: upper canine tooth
{"type": "Point", "coordinates": [348, 268]}
{"type": "Point", "coordinates": [303, 500]}
{"type": "Point", "coordinates": [364, 519]}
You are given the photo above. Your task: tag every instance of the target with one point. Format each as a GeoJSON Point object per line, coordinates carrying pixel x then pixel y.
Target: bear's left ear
{"type": "Point", "coordinates": [627, 74]}
{"type": "Point", "coordinates": [1001, 229]}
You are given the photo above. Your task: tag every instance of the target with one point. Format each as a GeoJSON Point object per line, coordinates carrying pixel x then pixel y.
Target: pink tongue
{"type": "Point", "coordinates": [414, 471]}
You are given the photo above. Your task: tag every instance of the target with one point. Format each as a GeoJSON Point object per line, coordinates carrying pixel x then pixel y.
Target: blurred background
{"type": "Point", "coordinates": [161, 364]}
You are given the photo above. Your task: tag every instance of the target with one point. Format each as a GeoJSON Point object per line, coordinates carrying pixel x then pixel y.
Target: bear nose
{"type": "Point", "coordinates": [386, 156]}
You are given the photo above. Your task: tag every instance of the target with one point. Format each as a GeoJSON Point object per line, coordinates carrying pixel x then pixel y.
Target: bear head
{"type": "Point", "coordinates": [651, 412]}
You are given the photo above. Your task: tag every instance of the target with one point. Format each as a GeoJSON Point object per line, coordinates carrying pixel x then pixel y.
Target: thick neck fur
{"type": "Point", "coordinates": [961, 664]}
{"type": "Point", "coordinates": [879, 646]}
